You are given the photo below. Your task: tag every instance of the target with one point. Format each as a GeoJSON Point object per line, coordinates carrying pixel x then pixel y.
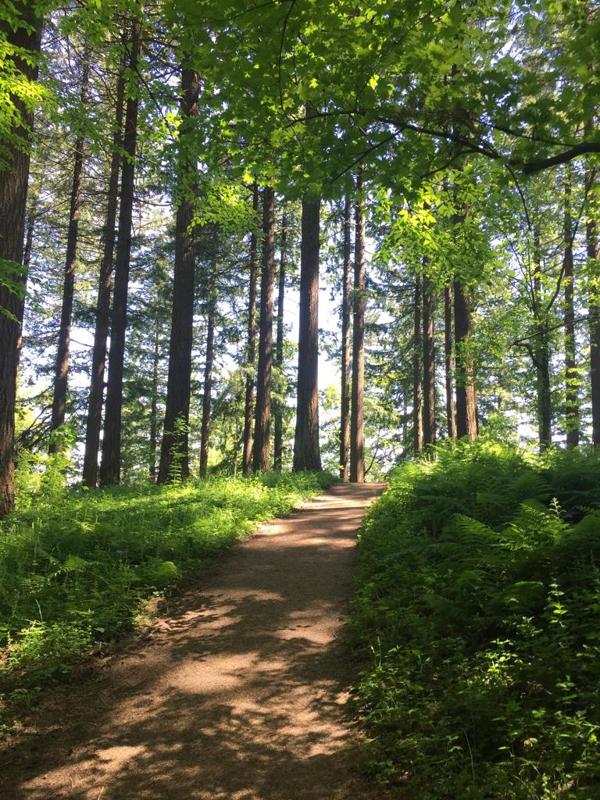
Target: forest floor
{"type": "Point", "coordinates": [238, 692]}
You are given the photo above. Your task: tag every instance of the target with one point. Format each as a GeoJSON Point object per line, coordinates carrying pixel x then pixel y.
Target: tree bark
{"type": "Point", "coordinates": [346, 350]}
{"type": "Point", "coordinates": [27, 253]}
{"type": "Point", "coordinates": [280, 405]}
{"type": "Point", "coordinates": [96, 397]}
{"type": "Point", "coordinates": [307, 454]}
{"type": "Point", "coordinates": [177, 412]}
{"type": "Point", "coordinates": [251, 346]}
{"type": "Point", "coordinates": [466, 403]}
{"type": "Point", "coordinates": [544, 407]}
{"type": "Point", "coordinates": [357, 418]}
{"type": "Point", "coordinates": [541, 351]}
{"type": "Point", "coordinates": [154, 403]}
{"type": "Point", "coordinates": [262, 420]}
{"type": "Point", "coordinates": [571, 379]}
{"type": "Point", "coordinates": [450, 363]}
{"type": "Point", "coordinates": [110, 467]}
{"type": "Point", "coordinates": [13, 200]}
{"type": "Point", "coordinates": [428, 365]}
{"type": "Point", "coordinates": [63, 355]}
{"type": "Point", "coordinates": [593, 255]}
{"type": "Point", "coordinates": [417, 370]}
{"type": "Point", "coordinates": [208, 375]}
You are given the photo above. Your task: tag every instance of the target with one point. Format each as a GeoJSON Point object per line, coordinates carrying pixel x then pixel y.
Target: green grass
{"type": "Point", "coordinates": [77, 567]}
{"type": "Point", "coordinates": [477, 614]}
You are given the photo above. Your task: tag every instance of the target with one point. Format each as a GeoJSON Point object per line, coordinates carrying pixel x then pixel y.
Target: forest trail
{"type": "Point", "coordinates": [238, 694]}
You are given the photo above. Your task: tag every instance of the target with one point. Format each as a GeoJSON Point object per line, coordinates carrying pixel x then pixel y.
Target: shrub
{"type": "Point", "coordinates": [477, 609]}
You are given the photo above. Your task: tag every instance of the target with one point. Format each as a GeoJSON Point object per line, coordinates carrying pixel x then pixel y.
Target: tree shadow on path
{"type": "Point", "coordinates": [239, 694]}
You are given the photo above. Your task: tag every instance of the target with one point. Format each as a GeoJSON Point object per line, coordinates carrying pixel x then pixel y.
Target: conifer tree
{"type": "Point", "coordinates": [176, 424]}
{"type": "Point", "coordinates": [307, 454]}
{"type": "Point", "coordinates": [357, 418]}
{"type": "Point", "coordinates": [102, 316]}
{"type": "Point", "coordinates": [23, 35]}
{"type": "Point", "coordinates": [61, 372]}
{"type": "Point", "coordinates": [110, 467]}
{"type": "Point", "coordinates": [251, 342]}
{"type": "Point", "coordinates": [346, 351]}
{"type": "Point", "coordinates": [262, 419]}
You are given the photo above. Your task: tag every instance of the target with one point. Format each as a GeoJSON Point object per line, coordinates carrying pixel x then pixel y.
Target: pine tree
{"type": "Point", "coordinates": [102, 316]}
{"type": "Point", "coordinates": [279, 405]}
{"type": "Point", "coordinates": [61, 372]}
{"type": "Point", "coordinates": [571, 378]}
{"type": "Point", "coordinates": [346, 352]}
{"type": "Point", "coordinates": [211, 308]}
{"type": "Point", "coordinates": [357, 419]}
{"type": "Point", "coordinates": [262, 419]}
{"type": "Point", "coordinates": [429, 433]}
{"type": "Point", "coordinates": [111, 444]}
{"type": "Point", "coordinates": [176, 424]}
{"type": "Point", "coordinates": [251, 344]}
{"type": "Point", "coordinates": [466, 407]}
{"type": "Point", "coordinates": [307, 454]}
{"type": "Point", "coordinates": [24, 36]}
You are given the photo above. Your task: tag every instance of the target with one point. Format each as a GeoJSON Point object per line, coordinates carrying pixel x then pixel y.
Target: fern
{"type": "Point", "coordinates": [478, 613]}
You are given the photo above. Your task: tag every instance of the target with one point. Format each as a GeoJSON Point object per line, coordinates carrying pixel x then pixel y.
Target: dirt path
{"type": "Point", "coordinates": [239, 694]}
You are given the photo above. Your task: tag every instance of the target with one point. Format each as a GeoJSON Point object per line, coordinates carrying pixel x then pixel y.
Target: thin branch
{"type": "Point", "coordinates": [281, 48]}
{"type": "Point", "coordinates": [522, 341]}
{"type": "Point", "coordinates": [363, 155]}
{"type": "Point", "coordinates": [521, 195]}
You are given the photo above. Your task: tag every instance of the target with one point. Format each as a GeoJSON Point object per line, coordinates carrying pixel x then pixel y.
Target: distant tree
{"type": "Point", "coordinates": [111, 444]}
{"type": "Point", "coordinates": [357, 419]}
{"type": "Point", "coordinates": [176, 424]}
{"type": "Point", "coordinates": [262, 419]}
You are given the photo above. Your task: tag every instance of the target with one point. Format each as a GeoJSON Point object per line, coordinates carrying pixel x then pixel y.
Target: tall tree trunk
{"type": "Point", "coordinates": [154, 403]}
{"type": "Point", "coordinates": [208, 374]}
{"type": "Point", "coordinates": [13, 200]}
{"type": "Point", "coordinates": [96, 397]}
{"type": "Point", "coordinates": [541, 351]}
{"type": "Point", "coordinates": [593, 254]}
{"type": "Point", "coordinates": [110, 467]}
{"type": "Point", "coordinates": [27, 253]}
{"type": "Point", "coordinates": [177, 412]}
{"type": "Point", "coordinates": [450, 363]}
{"type": "Point", "coordinates": [63, 355]}
{"type": "Point", "coordinates": [417, 364]}
{"type": "Point", "coordinates": [307, 454]}
{"type": "Point", "coordinates": [346, 350]}
{"type": "Point", "coordinates": [428, 365]}
{"type": "Point", "coordinates": [466, 403]}
{"type": "Point", "coordinates": [29, 233]}
{"type": "Point", "coordinates": [357, 418]}
{"type": "Point", "coordinates": [405, 418]}
{"type": "Point", "coordinates": [262, 421]}
{"type": "Point", "coordinates": [571, 378]}
{"type": "Point", "coordinates": [280, 405]}
{"type": "Point", "coordinates": [542, 370]}
{"type": "Point", "coordinates": [251, 346]}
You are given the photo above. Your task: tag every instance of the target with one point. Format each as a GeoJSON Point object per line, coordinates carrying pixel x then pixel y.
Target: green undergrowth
{"type": "Point", "coordinates": [78, 567]}
{"type": "Point", "coordinates": [477, 611]}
